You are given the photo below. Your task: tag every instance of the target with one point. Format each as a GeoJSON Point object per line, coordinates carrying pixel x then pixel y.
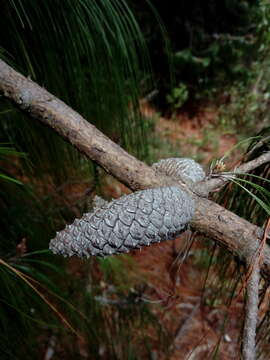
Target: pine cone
{"type": "Point", "coordinates": [130, 222]}
{"type": "Point", "coordinates": [183, 168]}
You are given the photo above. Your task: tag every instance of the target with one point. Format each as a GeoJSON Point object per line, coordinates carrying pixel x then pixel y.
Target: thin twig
{"type": "Point", "coordinates": [220, 179]}
{"type": "Point", "coordinates": [252, 302]}
{"type": "Point", "coordinates": [251, 316]}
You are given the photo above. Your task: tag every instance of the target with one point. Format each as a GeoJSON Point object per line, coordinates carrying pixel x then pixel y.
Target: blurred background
{"type": "Point", "coordinates": [161, 80]}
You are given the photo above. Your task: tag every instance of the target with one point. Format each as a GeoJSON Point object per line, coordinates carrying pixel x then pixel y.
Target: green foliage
{"type": "Point", "coordinates": [248, 103]}
{"type": "Point", "coordinates": [248, 98]}
{"type": "Point", "coordinates": [212, 43]}
{"type": "Point", "coordinates": [5, 153]}
{"type": "Point", "coordinates": [86, 54]}
{"type": "Point", "coordinates": [178, 96]}
{"type": "Point", "coordinates": [247, 196]}
{"type": "Point", "coordinates": [105, 317]}
{"type": "Point", "coordinates": [251, 199]}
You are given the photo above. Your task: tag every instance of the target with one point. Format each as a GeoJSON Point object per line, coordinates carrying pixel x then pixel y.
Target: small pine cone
{"type": "Point", "coordinates": [127, 223]}
{"type": "Point", "coordinates": [186, 169]}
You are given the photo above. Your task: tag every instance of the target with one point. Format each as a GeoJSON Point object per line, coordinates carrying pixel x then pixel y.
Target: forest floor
{"type": "Point", "coordinates": [196, 135]}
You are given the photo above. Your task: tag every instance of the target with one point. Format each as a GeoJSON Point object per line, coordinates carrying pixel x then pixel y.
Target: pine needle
{"type": "Point", "coordinates": [25, 279]}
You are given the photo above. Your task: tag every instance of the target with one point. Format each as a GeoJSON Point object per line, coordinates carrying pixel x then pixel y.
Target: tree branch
{"type": "Point", "coordinates": [42, 105]}
{"type": "Point", "coordinates": [209, 185]}
{"type": "Point", "coordinates": [228, 229]}
{"type": "Point", "coordinates": [252, 301]}
{"type": "Point", "coordinates": [251, 313]}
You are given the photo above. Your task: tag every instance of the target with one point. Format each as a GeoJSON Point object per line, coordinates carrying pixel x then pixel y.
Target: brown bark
{"type": "Point", "coordinates": [238, 235]}
{"type": "Point", "coordinates": [251, 314]}
{"type": "Point", "coordinates": [42, 105]}
{"type": "Point", "coordinates": [228, 229]}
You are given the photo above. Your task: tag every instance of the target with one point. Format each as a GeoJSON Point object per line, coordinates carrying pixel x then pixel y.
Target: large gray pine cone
{"type": "Point", "coordinates": [127, 223]}
{"type": "Point", "coordinates": [184, 168]}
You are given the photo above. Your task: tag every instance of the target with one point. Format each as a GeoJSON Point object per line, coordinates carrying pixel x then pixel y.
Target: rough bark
{"type": "Point", "coordinates": [238, 235]}
{"type": "Point", "coordinates": [43, 106]}
{"type": "Point", "coordinates": [228, 229]}
{"type": "Point", "coordinates": [251, 316]}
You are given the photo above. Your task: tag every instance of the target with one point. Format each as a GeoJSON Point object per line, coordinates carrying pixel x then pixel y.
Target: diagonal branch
{"type": "Point", "coordinates": [42, 105]}
{"type": "Point", "coordinates": [212, 220]}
